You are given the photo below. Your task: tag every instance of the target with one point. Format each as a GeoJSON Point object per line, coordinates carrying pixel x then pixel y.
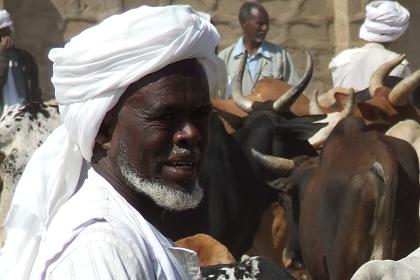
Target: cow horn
{"type": "Point", "coordinates": [282, 166]}
{"type": "Point", "coordinates": [314, 107]}
{"type": "Point", "coordinates": [237, 94]}
{"type": "Point", "coordinates": [287, 99]}
{"type": "Point", "coordinates": [377, 78]}
{"type": "Point", "coordinates": [350, 105]}
{"type": "Point", "coordinates": [400, 93]}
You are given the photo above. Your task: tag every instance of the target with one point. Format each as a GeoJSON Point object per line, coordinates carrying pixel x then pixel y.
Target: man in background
{"type": "Point", "coordinates": [265, 59]}
{"type": "Point", "coordinates": [385, 22]}
{"type": "Point", "coordinates": [18, 70]}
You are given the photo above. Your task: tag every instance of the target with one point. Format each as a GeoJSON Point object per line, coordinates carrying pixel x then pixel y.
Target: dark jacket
{"type": "Point", "coordinates": [25, 72]}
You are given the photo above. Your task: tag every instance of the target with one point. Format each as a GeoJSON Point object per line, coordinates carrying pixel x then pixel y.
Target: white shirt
{"type": "Point", "coordinates": [270, 61]}
{"type": "Point", "coordinates": [10, 95]}
{"type": "Point", "coordinates": [96, 234]}
{"type": "Point", "coordinates": [353, 68]}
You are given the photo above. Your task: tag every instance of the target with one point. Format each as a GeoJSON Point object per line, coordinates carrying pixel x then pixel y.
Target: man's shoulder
{"type": "Point", "coordinates": [344, 57]}
{"type": "Point", "coordinates": [106, 233]}
{"type": "Point", "coordinates": [99, 245]}
{"type": "Point", "coordinates": [103, 236]}
{"type": "Point", "coordinates": [274, 48]}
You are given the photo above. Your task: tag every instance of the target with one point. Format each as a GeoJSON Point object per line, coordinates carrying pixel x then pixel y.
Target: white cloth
{"type": "Point", "coordinates": [10, 94]}
{"type": "Point", "coordinates": [97, 234]}
{"type": "Point", "coordinates": [385, 21]}
{"type": "Point", "coordinates": [407, 268]}
{"type": "Point", "coordinates": [89, 75]}
{"type": "Point", "coordinates": [353, 68]}
{"type": "Point", "coordinates": [5, 20]}
{"type": "Point", "coordinates": [204, 15]}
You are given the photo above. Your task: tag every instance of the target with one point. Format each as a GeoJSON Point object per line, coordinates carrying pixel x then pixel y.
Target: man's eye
{"type": "Point", "coordinates": [166, 117]}
{"type": "Point", "coordinates": [202, 113]}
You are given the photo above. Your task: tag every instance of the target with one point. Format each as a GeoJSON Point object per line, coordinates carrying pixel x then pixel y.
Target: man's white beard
{"type": "Point", "coordinates": [163, 195]}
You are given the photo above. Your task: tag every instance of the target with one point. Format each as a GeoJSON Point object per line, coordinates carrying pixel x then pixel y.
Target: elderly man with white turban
{"type": "Point", "coordinates": [18, 70]}
{"type": "Point", "coordinates": [385, 22]}
{"type": "Point", "coordinates": [133, 93]}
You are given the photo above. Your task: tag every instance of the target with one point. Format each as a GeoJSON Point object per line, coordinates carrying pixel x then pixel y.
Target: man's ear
{"type": "Point", "coordinates": [104, 136]}
{"type": "Point", "coordinates": [103, 141]}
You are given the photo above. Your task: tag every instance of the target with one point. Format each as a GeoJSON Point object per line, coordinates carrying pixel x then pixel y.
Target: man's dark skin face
{"type": "Point", "coordinates": [255, 28]}
{"type": "Point", "coordinates": [161, 114]}
{"type": "Point", "coordinates": [6, 41]}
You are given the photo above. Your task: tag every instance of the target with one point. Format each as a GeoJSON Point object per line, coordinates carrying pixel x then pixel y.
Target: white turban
{"type": "Point", "coordinates": [89, 75]}
{"type": "Point", "coordinates": [5, 20]}
{"type": "Point", "coordinates": [385, 21]}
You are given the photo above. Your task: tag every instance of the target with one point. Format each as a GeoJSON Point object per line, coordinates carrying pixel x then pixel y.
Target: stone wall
{"type": "Point", "coordinates": [322, 26]}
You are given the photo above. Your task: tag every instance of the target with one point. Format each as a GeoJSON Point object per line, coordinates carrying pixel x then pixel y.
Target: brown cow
{"type": "Point", "coordinates": [209, 250]}
{"type": "Point", "coordinates": [360, 202]}
{"type": "Point", "coordinates": [270, 239]}
{"type": "Point", "coordinates": [363, 204]}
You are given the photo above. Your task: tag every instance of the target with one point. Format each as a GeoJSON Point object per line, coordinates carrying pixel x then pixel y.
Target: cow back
{"type": "Point", "coordinates": [363, 200]}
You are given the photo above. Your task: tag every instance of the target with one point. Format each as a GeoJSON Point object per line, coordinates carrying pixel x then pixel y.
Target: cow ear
{"type": "Point", "coordinates": [305, 127]}
{"type": "Point", "coordinates": [103, 141]}
{"type": "Point", "coordinates": [341, 99]}
{"type": "Point", "coordinates": [234, 121]}
{"type": "Point", "coordinates": [369, 112]}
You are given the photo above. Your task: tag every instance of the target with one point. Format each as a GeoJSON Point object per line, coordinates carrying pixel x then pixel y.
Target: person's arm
{"type": "Point", "coordinates": [33, 79]}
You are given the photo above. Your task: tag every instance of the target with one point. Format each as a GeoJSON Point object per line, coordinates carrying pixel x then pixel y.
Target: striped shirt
{"type": "Point", "coordinates": [97, 234]}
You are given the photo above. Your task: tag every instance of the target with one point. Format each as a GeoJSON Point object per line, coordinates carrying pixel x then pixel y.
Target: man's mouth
{"type": "Point", "coordinates": [181, 170]}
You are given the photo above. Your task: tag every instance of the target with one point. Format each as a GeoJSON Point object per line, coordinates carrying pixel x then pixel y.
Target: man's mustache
{"type": "Point", "coordinates": [181, 152]}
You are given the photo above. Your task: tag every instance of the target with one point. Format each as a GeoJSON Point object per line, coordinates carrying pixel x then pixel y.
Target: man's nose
{"type": "Point", "coordinates": [188, 135]}
{"type": "Point", "coordinates": [264, 27]}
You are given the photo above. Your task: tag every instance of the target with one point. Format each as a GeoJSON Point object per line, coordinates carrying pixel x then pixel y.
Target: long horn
{"type": "Point", "coordinates": [350, 105]}
{"type": "Point", "coordinates": [237, 94]}
{"type": "Point", "coordinates": [278, 165]}
{"type": "Point", "coordinates": [287, 99]}
{"type": "Point", "coordinates": [377, 79]}
{"type": "Point", "coordinates": [314, 107]}
{"type": "Point", "coordinates": [332, 119]}
{"type": "Point", "coordinates": [400, 93]}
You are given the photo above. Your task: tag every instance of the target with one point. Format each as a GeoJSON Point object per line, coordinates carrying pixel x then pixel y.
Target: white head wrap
{"type": "Point", "coordinates": [89, 75]}
{"type": "Point", "coordinates": [5, 20]}
{"type": "Point", "coordinates": [385, 21]}
{"type": "Point", "coordinates": [204, 15]}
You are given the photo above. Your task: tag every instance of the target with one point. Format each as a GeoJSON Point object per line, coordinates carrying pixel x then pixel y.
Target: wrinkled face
{"type": "Point", "coordinates": [256, 26]}
{"type": "Point", "coordinates": [161, 130]}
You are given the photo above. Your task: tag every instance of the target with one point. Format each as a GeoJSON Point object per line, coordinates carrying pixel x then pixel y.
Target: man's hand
{"type": "Point", "coordinates": [6, 44]}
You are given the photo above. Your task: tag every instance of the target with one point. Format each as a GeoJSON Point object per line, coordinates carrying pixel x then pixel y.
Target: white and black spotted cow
{"type": "Point", "coordinates": [22, 130]}
{"type": "Point", "coordinates": [255, 268]}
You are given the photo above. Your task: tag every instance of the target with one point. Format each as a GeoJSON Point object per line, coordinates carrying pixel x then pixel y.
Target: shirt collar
{"type": "Point", "coordinates": [239, 49]}
{"type": "Point", "coordinates": [373, 45]}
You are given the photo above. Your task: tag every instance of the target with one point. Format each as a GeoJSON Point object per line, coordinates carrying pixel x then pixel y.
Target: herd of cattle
{"type": "Point", "coordinates": [318, 185]}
